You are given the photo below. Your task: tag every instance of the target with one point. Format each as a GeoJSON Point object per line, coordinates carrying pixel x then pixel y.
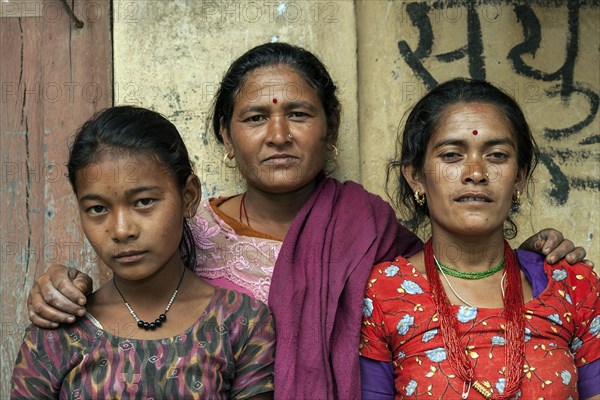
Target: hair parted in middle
{"type": "Point", "coordinates": [424, 120]}
{"type": "Point", "coordinates": [268, 55]}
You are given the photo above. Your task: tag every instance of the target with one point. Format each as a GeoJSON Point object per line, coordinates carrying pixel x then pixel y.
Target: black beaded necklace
{"type": "Point", "coordinates": [161, 318]}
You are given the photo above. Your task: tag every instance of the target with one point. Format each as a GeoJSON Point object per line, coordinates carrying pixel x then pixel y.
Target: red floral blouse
{"type": "Point", "coordinates": [562, 333]}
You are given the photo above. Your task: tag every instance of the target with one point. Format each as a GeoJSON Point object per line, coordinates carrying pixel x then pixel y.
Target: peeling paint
{"type": "Point", "coordinates": [282, 8]}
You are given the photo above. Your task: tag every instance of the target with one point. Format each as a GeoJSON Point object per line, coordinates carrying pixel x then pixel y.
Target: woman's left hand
{"type": "Point", "coordinates": [555, 247]}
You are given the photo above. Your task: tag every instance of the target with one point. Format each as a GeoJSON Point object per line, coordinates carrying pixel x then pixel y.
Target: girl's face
{"type": "Point", "coordinates": [132, 212]}
{"type": "Point", "coordinates": [273, 103]}
{"type": "Point", "coordinates": [470, 172]}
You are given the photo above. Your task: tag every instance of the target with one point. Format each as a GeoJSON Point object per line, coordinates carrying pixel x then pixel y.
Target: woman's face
{"type": "Point", "coordinates": [470, 172]}
{"type": "Point", "coordinates": [272, 104]}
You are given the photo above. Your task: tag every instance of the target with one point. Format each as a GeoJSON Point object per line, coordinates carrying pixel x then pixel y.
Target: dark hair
{"type": "Point", "coordinates": [424, 119]}
{"type": "Point", "coordinates": [271, 54]}
{"type": "Point", "coordinates": [135, 130]}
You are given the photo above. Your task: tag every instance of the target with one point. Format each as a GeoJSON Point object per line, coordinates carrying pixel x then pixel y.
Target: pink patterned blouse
{"type": "Point", "coordinates": [239, 261]}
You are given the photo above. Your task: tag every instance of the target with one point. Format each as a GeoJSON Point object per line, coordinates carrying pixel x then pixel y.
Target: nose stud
{"type": "Point", "coordinates": [290, 136]}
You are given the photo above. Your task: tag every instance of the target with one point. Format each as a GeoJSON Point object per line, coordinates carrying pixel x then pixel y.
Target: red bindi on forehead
{"type": "Point", "coordinates": [274, 101]}
{"type": "Point", "coordinates": [478, 108]}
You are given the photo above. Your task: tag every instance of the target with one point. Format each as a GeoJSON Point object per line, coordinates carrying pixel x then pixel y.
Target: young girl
{"type": "Point", "coordinates": [156, 330]}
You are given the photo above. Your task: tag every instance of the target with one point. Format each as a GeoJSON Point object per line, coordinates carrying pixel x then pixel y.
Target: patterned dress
{"type": "Point", "coordinates": [562, 334]}
{"type": "Point", "coordinates": [228, 353]}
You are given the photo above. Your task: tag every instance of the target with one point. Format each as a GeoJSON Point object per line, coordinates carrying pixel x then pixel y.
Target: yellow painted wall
{"type": "Point", "coordinates": [546, 56]}
{"type": "Point", "coordinates": [171, 56]}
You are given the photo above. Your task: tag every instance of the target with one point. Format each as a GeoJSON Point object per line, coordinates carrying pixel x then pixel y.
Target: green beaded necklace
{"type": "Point", "coordinates": [467, 275]}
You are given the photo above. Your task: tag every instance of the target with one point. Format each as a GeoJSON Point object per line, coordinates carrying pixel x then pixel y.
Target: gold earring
{"type": "Point", "coordinates": [227, 158]}
{"type": "Point", "coordinates": [420, 200]}
{"type": "Point", "coordinates": [517, 198]}
{"type": "Point", "coordinates": [335, 151]}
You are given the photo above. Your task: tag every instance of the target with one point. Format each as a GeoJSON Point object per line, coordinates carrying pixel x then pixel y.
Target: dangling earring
{"type": "Point", "coordinates": [227, 158]}
{"type": "Point", "coordinates": [517, 198]}
{"type": "Point", "coordinates": [420, 200]}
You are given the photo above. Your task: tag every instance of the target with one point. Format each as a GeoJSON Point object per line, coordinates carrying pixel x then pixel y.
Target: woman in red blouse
{"type": "Point", "coordinates": [466, 317]}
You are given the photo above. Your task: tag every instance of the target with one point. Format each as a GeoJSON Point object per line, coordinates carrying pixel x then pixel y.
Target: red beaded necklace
{"type": "Point", "coordinates": [515, 328]}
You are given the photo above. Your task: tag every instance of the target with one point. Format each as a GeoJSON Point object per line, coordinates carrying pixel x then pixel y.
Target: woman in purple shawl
{"type": "Point", "coordinates": [301, 241]}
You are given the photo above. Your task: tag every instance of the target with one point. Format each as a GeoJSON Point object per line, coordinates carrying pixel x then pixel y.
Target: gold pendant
{"type": "Point", "coordinates": [485, 392]}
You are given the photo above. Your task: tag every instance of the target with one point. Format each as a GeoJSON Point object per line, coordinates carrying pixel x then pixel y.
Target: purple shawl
{"type": "Point", "coordinates": [318, 285]}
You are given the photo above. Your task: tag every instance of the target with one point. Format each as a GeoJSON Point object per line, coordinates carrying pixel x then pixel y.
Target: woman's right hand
{"type": "Point", "coordinates": [58, 296]}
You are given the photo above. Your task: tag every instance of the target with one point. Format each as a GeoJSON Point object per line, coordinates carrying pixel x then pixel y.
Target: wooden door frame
{"type": "Point", "coordinates": [53, 77]}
